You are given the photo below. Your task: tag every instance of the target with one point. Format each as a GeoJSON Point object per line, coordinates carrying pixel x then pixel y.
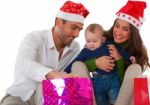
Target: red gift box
{"type": "Point", "coordinates": [67, 91]}
{"type": "Point", "coordinates": [141, 93]}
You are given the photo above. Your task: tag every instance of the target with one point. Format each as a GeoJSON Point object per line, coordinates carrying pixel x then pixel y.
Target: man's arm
{"type": "Point", "coordinates": [82, 56]}
{"type": "Point", "coordinates": [26, 61]}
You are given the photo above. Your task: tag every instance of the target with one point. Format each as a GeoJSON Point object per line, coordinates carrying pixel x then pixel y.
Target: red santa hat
{"type": "Point", "coordinates": [73, 12]}
{"type": "Point", "coordinates": [133, 13]}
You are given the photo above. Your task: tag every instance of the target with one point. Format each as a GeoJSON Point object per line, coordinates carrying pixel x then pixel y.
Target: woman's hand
{"type": "Point", "coordinates": [133, 59]}
{"type": "Point", "coordinates": [105, 62]}
{"type": "Point", "coordinates": [114, 52]}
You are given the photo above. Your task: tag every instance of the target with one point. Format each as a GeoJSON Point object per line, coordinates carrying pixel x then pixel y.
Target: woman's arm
{"type": "Point", "coordinates": [120, 69]}
{"type": "Point", "coordinates": [105, 62]}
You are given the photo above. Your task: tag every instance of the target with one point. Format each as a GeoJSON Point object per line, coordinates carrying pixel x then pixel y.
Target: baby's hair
{"type": "Point", "coordinates": [94, 28]}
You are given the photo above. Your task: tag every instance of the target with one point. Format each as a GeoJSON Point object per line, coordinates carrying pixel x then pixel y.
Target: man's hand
{"type": "Point", "coordinates": [105, 62]}
{"type": "Point", "coordinates": [56, 74]}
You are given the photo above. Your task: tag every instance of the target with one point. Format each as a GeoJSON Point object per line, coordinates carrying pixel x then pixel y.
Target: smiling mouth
{"type": "Point", "coordinates": [118, 37]}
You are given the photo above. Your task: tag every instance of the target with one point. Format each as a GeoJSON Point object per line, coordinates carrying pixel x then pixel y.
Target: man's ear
{"type": "Point", "coordinates": [58, 22]}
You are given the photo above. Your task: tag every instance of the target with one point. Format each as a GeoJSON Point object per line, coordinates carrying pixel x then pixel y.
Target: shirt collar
{"type": "Point", "coordinates": [124, 44]}
{"type": "Point", "coordinates": [50, 39]}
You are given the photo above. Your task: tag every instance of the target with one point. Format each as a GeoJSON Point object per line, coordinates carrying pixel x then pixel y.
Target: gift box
{"type": "Point", "coordinates": [141, 93]}
{"type": "Point", "coordinates": [146, 74]}
{"type": "Point", "coordinates": [67, 91]}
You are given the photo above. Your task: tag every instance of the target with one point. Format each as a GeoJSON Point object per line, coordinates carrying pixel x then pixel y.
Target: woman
{"type": "Point", "coordinates": [124, 32]}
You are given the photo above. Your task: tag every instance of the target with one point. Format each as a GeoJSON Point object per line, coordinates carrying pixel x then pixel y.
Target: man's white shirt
{"type": "Point", "coordinates": [38, 56]}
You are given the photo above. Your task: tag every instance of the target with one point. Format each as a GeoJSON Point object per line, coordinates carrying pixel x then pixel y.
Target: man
{"type": "Point", "coordinates": [44, 55]}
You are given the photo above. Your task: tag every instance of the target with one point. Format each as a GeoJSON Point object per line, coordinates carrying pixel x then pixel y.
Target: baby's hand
{"type": "Point", "coordinates": [114, 52]}
{"type": "Point", "coordinates": [133, 59]}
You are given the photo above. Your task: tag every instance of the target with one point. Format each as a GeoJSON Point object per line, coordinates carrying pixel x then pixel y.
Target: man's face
{"type": "Point", "coordinates": [68, 31]}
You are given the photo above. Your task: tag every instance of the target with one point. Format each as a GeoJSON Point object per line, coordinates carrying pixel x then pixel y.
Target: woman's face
{"type": "Point", "coordinates": [121, 31]}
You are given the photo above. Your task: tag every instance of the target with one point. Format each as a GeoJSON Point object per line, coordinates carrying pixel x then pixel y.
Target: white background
{"type": "Point", "coordinates": [19, 17]}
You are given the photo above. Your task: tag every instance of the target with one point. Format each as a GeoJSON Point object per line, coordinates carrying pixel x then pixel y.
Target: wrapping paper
{"type": "Point", "coordinates": [67, 91]}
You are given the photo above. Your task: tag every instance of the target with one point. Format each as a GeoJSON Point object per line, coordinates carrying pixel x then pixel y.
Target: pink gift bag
{"type": "Point", "coordinates": [67, 91]}
{"type": "Point", "coordinates": [141, 93]}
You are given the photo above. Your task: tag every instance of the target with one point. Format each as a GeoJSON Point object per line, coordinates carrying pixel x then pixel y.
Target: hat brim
{"type": "Point", "coordinates": [70, 17]}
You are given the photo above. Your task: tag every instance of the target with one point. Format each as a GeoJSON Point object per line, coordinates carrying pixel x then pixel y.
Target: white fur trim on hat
{"type": "Point", "coordinates": [70, 17]}
{"type": "Point", "coordinates": [130, 19]}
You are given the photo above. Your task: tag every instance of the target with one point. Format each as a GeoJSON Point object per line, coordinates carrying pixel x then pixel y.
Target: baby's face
{"type": "Point", "coordinates": [93, 40]}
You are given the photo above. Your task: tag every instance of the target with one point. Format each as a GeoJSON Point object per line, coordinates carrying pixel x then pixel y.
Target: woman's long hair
{"type": "Point", "coordinates": [135, 46]}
